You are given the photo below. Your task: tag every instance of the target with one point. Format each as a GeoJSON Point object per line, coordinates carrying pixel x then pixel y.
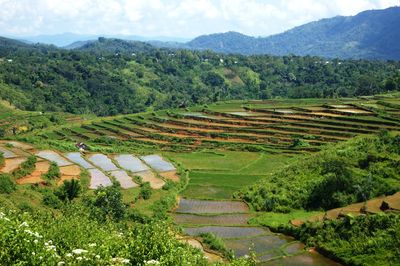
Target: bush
{"type": "Point", "coordinates": [69, 190]}
{"type": "Point", "coordinates": [26, 167]}
{"type": "Point", "coordinates": [50, 199]}
{"type": "Point", "coordinates": [107, 203]}
{"type": "Point", "coordinates": [216, 243]}
{"type": "Point", "coordinates": [145, 191]}
{"type": "Point", "coordinates": [53, 172]}
{"type": "Point", "coordinates": [7, 186]}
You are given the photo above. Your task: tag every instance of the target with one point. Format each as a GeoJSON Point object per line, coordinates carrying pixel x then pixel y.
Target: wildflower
{"type": "Point", "coordinates": [24, 224]}
{"type": "Point", "coordinates": [152, 262]}
{"type": "Point", "coordinates": [97, 257]}
{"type": "Point", "coordinates": [35, 241]}
{"type": "Point", "coordinates": [120, 260]}
{"type": "Point", "coordinates": [68, 255]}
{"type": "Point", "coordinates": [79, 258]}
{"type": "Point", "coordinates": [92, 245]}
{"type": "Point", "coordinates": [33, 253]}
{"type": "Point", "coordinates": [60, 263]}
{"type": "Point", "coordinates": [50, 247]}
{"type": "Point", "coordinates": [79, 251]}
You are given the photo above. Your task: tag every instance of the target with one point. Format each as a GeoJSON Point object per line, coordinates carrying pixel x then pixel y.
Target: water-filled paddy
{"type": "Point", "coordinates": [98, 178]}
{"type": "Point", "coordinates": [6, 153]}
{"type": "Point", "coordinates": [76, 157]}
{"type": "Point", "coordinates": [158, 163]}
{"type": "Point", "coordinates": [227, 231]}
{"type": "Point", "coordinates": [223, 219]}
{"type": "Point", "coordinates": [130, 163]}
{"type": "Point", "coordinates": [53, 157]}
{"type": "Point", "coordinates": [103, 162]}
{"type": "Point", "coordinates": [207, 206]}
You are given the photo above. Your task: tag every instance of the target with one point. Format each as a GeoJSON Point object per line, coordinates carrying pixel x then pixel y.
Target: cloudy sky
{"type": "Point", "coordinates": [173, 18]}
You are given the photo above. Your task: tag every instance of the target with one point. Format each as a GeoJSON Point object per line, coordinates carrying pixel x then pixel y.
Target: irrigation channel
{"type": "Point", "coordinates": [228, 221]}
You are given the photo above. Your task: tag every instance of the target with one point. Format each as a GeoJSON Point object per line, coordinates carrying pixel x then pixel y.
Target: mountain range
{"type": "Point", "coordinates": [372, 34]}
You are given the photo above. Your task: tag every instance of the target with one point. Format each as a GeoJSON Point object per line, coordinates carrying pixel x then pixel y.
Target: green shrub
{"type": "Point", "coordinates": [216, 243]}
{"type": "Point", "coordinates": [169, 185]}
{"type": "Point", "coordinates": [1, 159]}
{"type": "Point", "coordinates": [50, 199]}
{"type": "Point", "coordinates": [107, 203]}
{"type": "Point", "coordinates": [69, 190]}
{"type": "Point", "coordinates": [145, 191]}
{"type": "Point", "coordinates": [7, 185]}
{"type": "Point", "coordinates": [53, 172]}
{"type": "Point", "coordinates": [26, 168]}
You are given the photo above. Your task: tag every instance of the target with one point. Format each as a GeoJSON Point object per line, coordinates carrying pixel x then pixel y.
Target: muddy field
{"type": "Point", "coordinates": [124, 179]}
{"type": "Point", "coordinates": [11, 164]}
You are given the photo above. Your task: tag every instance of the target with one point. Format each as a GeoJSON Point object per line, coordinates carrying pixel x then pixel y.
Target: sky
{"type": "Point", "coordinates": [170, 18]}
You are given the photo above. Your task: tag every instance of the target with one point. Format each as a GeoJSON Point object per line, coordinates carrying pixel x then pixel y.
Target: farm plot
{"type": "Point", "coordinates": [130, 163]}
{"type": "Point", "coordinates": [20, 145]}
{"type": "Point", "coordinates": [158, 163]}
{"type": "Point", "coordinates": [103, 162]}
{"type": "Point", "coordinates": [124, 179]}
{"type": "Point", "coordinates": [148, 176]}
{"type": "Point", "coordinates": [7, 153]}
{"type": "Point", "coordinates": [304, 259]}
{"type": "Point", "coordinates": [216, 185]}
{"type": "Point", "coordinates": [41, 168]}
{"type": "Point", "coordinates": [223, 219]}
{"type": "Point", "coordinates": [98, 178]}
{"type": "Point", "coordinates": [53, 157]}
{"type": "Point", "coordinates": [259, 244]}
{"type": "Point", "coordinates": [206, 206]}
{"type": "Point", "coordinates": [11, 164]}
{"type": "Point", "coordinates": [77, 158]}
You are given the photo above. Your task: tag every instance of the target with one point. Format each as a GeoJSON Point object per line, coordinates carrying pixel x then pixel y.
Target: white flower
{"type": "Point", "coordinates": [24, 224]}
{"type": "Point", "coordinates": [120, 260]}
{"type": "Point", "coordinates": [97, 257]}
{"type": "Point", "coordinates": [79, 251]}
{"type": "Point", "coordinates": [50, 247]}
{"type": "Point", "coordinates": [35, 241]}
{"type": "Point", "coordinates": [79, 258]}
{"type": "Point", "coordinates": [68, 255]}
{"type": "Point", "coordinates": [92, 245]}
{"type": "Point", "coordinates": [152, 262]}
{"type": "Point", "coordinates": [33, 253]}
{"type": "Point", "coordinates": [60, 263]}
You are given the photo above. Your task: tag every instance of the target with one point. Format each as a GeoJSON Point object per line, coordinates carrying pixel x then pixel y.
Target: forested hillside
{"type": "Point", "coordinates": [354, 171]}
{"type": "Point", "coordinates": [112, 76]}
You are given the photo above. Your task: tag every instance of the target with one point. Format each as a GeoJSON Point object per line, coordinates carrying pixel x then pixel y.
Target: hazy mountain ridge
{"type": "Point", "coordinates": [371, 34]}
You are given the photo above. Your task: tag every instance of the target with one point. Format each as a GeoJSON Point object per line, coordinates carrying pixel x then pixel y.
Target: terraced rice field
{"type": "Point", "coordinates": [98, 179]}
{"type": "Point", "coordinates": [271, 126]}
{"type": "Point", "coordinates": [77, 158]}
{"type": "Point", "coordinates": [205, 207]}
{"type": "Point", "coordinates": [103, 162]}
{"type": "Point", "coordinates": [53, 157]}
{"type": "Point", "coordinates": [124, 179]}
{"type": "Point", "coordinates": [238, 236]}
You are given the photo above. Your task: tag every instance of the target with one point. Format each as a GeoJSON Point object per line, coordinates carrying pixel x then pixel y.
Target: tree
{"type": "Point", "coordinates": [108, 202]}
{"type": "Point", "coordinates": [145, 191]}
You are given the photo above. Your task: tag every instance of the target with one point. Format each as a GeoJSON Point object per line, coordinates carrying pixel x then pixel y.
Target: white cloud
{"type": "Point", "coordinates": [180, 18]}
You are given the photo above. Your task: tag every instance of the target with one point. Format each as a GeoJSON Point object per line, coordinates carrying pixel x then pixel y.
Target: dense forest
{"type": "Point", "coordinates": [354, 171]}
{"type": "Point", "coordinates": [112, 76]}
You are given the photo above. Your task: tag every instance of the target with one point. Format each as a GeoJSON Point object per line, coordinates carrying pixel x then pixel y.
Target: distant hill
{"type": "Point", "coordinates": [371, 34]}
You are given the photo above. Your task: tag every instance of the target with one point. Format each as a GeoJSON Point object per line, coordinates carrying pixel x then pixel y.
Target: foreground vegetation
{"type": "Point", "coordinates": [362, 240]}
